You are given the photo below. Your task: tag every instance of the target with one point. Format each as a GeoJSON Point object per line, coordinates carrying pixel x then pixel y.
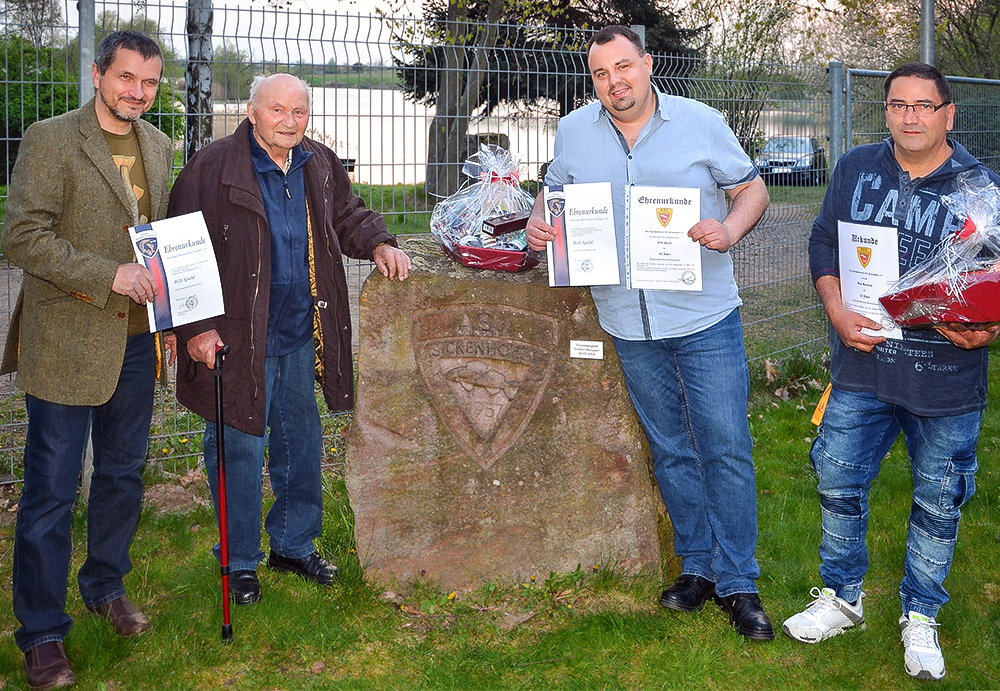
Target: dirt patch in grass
{"type": "Point", "coordinates": [188, 493]}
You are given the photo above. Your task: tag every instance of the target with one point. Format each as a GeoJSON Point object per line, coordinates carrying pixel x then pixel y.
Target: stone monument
{"type": "Point", "coordinates": [480, 448]}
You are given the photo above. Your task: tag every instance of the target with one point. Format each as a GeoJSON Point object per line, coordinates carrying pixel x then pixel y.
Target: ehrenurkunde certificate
{"type": "Point", "coordinates": [869, 265]}
{"type": "Point", "coordinates": [661, 256]}
{"type": "Point", "coordinates": [585, 251]}
{"type": "Point", "coordinates": [178, 252]}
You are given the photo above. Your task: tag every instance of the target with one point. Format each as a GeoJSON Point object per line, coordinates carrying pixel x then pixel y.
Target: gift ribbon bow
{"type": "Point", "coordinates": [511, 179]}
{"type": "Point", "coordinates": [968, 228]}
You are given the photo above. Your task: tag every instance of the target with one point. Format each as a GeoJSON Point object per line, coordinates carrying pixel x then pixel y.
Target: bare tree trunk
{"type": "Point", "coordinates": [36, 20]}
{"type": "Point", "coordinates": [442, 149]}
{"type": "Point", "coordinates": [198, 95]}
{"type": "Point", "coordinates": [458, 96]}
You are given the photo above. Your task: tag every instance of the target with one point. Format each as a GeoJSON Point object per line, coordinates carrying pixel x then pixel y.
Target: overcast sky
{"type": "Point", "coordinates": [361, 6]}
{"type": "Point", "coordinates": [314, 31]}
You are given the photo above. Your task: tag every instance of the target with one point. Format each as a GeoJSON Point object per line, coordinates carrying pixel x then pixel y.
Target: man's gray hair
{"type": "Point", "coordinates": [261, 79]}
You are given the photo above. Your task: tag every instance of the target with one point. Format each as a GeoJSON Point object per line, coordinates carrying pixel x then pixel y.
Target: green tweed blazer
{"type": "Point", "coordinates": [67, 214]}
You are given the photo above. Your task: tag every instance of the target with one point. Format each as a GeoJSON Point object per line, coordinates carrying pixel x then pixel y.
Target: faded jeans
{"type": "Point", "coordinates": [53, 455]}
{"type": "Point", "coordinates": [857, 432]}
{"type": "Point", "coordinates": [691, 396]}
{"type": "Point", "coordinates": [294, 443]}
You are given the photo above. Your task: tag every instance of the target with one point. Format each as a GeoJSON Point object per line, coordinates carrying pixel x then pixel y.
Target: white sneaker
{"type": "Point", "coordinates": [922, 652]}
{"type": "Point", "coordinates": [826, 616]}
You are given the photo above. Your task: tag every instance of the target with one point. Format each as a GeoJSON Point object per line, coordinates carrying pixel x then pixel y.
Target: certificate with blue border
{"type": "Point", "coordinates": [585, 251]}
{"type": "Point", "coordinates": [178, 252]}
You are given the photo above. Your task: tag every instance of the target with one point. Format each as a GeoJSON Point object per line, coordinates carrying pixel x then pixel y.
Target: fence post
{"type": "Point", "coordinates": [88, 42]}
{"type": "Point", "coordinates": [88, 39]}
{"type": "Point", "coordinates": [641, 30]}
{"type": "Point", "coordinates": [836, 72]}
{"type": "Point", "coordinates": [927, 31]}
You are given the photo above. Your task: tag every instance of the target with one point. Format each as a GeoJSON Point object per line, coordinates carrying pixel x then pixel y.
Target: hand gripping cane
{"type": "Point", "coordinates": [227, 627]}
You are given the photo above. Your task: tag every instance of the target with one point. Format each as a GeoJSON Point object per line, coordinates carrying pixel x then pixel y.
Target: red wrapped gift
{"type": "Point", "coordinates": [489, 258]}
{"type": "Point", "coordinates": [932, 303]}
{"type": "Point", "coordinates": [507, 223]}
{"type": "Point", "coordinates": [960, 281]}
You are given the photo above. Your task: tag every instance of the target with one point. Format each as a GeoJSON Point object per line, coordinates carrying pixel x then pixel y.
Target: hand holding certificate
{"type": "Point", "coordinates": [660, 253]}
{"type": "Point", "coordinates": [585, 251]}
{"type": "Point", "coordinates": [178, 252]}
{"type": "Point", "coordinates": [869, 264]}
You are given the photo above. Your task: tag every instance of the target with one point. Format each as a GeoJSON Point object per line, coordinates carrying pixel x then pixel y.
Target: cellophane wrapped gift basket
{"type": "Point", "coordinates": [960, 280]}
{"type": "Point", "coordinates": [482, 225]}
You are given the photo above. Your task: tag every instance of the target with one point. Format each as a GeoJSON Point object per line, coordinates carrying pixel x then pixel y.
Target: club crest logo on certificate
{"type": "Point", "coordinates": [178, 252]}
{"type": "Point", "coordinates": [661, 256]}
{"type": "Point", "coordinates": [869, 265]}
{"type": "Point", "coordinates": [585, 250]}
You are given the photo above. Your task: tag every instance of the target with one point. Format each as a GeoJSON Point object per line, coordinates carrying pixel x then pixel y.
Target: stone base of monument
{"type": "Point", "coordinates": [480, 448]}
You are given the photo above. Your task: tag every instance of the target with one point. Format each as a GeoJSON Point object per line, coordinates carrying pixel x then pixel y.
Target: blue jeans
{"type": "Point", "coordinates": [857, 432]}
{"type": "Point", "coordinates": [53, 453]}
{"type": "Point", "coordinates": [691, 396]}
{"type": "Point", "coordinates": [294, 442]}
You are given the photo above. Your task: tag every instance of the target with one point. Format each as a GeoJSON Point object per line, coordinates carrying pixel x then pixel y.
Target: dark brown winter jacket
{"type": "Point", "coordinates": [221, 182]}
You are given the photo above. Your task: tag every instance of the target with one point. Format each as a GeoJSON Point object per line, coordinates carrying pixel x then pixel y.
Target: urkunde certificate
{"type": "Point", "coordinates": [869, 264]}
{"type": "Point", "coordinates": [178, 251]}
{"type": "Point", "coordinates": [661, 256]}
{"type": "Point", "coordinates": [584, 252]}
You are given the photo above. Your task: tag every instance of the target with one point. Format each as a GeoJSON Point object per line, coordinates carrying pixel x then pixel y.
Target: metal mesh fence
{"type": "Point", "coordinates": [359, 66]}
{"type": "Point", "coordinates": [781, 115]}
{"type": "Point", "coordinates": [977, 118]}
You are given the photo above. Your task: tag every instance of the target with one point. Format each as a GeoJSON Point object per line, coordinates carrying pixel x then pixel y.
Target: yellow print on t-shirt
{"type": "Point", "coordinates": [125, 164]}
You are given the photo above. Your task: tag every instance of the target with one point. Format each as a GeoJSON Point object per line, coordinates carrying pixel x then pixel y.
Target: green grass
{"type": "Point", "coordinates": [594, 628]}
{"type": "Point", "coordinates": [405, 208]}
{"type": "Point", "coordinates": [780, 316]}
{"type": "Point", "coordinates": [13, 429]}
{"type": "Point", "coordinates": [363, 77]}
{"type": "Point", "coordinates": [175, 169]}
{"type": "Point", "coordinates": [797, 195]}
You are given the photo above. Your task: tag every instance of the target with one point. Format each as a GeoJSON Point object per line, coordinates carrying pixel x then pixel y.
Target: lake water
{"type": "Point", "coordinates": [387, 134]}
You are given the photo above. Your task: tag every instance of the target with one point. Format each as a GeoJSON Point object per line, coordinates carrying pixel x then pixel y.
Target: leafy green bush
{"type": "Point", "coordinates": [33, 86]}
{"type": "Point", "coordinates": [39, 82]}
{"type": "Point", "coordinates": [166, 113]}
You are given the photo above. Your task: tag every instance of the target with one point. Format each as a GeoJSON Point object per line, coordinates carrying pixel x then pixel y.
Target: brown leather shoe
{"type": "Point", "coordinates": [47, 667]}
{"type": "Point", "coordinates": [125, 617]}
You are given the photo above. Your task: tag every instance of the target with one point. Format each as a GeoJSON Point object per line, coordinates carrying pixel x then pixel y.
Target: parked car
{"type": "Point", "coordinates": [788, 160]}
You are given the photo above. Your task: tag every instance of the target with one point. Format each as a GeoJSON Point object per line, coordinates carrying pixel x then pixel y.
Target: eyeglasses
{"type": "Point", "coordinates": [895, 108]}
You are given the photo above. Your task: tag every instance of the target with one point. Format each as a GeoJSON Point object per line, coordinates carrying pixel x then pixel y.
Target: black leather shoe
{"type": "Point", "coordinates": [312, 567]}
{"type": "Point", "coordinates": [747, 615]}
{"type": "Point", "coordinates": [244, 588]}
{"type": "Point", "coordinates": [688, 593]}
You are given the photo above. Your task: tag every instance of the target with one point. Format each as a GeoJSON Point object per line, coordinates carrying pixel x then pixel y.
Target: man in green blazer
{"type": "Point", "coordinates": [80, 343]}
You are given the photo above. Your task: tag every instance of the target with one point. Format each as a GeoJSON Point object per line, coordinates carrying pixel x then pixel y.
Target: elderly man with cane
{"type": "Point", "coordinates": [281, 213]}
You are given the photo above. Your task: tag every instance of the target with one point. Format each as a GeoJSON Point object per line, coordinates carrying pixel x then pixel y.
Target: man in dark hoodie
{"type": "Point", "coordinates": [929, 384]}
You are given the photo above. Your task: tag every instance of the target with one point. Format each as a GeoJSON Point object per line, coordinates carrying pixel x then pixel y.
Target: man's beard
{"type": "Point", "coordinates": [120, 115]}
{"type": "Point", "coordinates": [624, 104]}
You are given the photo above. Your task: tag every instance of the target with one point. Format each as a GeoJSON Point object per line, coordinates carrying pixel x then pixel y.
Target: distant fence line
{"type": "Point", "coordinates": [360, 111]}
